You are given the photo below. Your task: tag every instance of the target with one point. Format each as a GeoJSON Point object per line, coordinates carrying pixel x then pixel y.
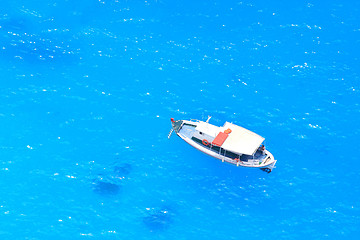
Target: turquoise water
{"type": "Point", "coordinates": [88, 89]}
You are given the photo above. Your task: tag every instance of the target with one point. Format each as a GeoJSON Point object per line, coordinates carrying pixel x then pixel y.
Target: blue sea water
{"type": "Point", "coordinates": [88, 88]}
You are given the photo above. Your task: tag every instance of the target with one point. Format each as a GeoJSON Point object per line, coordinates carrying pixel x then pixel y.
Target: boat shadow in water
{"type": "Point", "coordinates": [158, 219]}
{"type": "Point", "coordinates": [111, 183]}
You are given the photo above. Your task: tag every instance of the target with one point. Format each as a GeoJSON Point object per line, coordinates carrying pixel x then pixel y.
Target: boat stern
{"type": "Point", "coordinates": [269, 162]}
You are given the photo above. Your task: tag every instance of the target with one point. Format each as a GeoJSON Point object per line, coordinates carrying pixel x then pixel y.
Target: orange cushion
{"type": "Point", "coordinates": [220, 139]}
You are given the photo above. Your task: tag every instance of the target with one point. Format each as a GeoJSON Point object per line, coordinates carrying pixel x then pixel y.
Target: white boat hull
{"type": "Point", "coordinates": [267, 164]}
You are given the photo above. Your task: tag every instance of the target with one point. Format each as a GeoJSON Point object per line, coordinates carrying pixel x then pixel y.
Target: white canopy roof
{"type": "Point", "coordinates": [241, 140]}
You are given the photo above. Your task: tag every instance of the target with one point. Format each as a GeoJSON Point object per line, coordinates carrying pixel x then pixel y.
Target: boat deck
{"type": "Point", "coordinates": [257, 156]}
{"type": "Point", "coordinates": [187, 130]}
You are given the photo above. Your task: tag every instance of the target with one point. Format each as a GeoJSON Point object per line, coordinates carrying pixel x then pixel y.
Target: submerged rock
{"type": "Point", "coordinates": [32, 42]}
{"type": "Point", "coordinates": [109, 182]}
{"type": "Point", "coordinates": [106, 188]}
{"type": "Point", "coordinates": [123, 170]}
{"type": "Point", "coordinates": [16, 24]}
{"type": "Point", "coordinates": [158, 220]}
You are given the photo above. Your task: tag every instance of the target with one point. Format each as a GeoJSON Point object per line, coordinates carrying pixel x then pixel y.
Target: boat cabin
{"type": "Point", "coordinates": [229, 140]}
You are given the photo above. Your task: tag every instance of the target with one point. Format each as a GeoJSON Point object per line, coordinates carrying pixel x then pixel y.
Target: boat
{"type": "Point", "coordinates": [230, 143]}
